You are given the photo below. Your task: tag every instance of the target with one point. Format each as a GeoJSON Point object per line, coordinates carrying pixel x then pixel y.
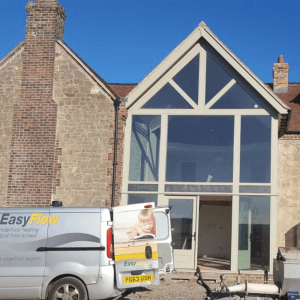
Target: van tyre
{"type": "Point", "coordinates": [68, 288]}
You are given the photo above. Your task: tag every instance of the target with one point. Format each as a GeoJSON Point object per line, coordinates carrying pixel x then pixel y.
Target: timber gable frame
{"type": "Point", "coordinates": [178, 58]}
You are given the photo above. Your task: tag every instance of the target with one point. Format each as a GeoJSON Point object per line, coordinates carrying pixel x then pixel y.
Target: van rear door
{"type": "Point", "coordinates": [135, 245]}
{"type": "Point", "coordinates": [164, 239]}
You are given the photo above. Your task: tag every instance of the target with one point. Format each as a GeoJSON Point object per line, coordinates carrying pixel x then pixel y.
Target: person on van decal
{"type": "Point", "coordinates": [146, 223]}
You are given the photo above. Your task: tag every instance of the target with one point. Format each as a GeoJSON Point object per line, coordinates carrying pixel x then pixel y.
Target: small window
{"type": "Point", "coordinates": [162, 226]}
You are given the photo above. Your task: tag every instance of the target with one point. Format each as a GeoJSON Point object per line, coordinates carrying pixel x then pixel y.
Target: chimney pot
{"type": "Point", "coordinates": [280, 59]}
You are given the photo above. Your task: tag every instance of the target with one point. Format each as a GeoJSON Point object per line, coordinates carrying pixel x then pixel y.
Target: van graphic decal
{"type": "Point", "coordinates": [135, 251]}
{"type": "Point", "coordinates": [135, 245]}
{"type": "Point", "coordinates": [54, 241]}
{"type": "Point", "coordinates": [34, 219]}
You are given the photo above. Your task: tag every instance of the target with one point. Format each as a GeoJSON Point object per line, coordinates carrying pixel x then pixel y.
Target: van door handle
{"type": "Point", "coordinates": [148, 252]}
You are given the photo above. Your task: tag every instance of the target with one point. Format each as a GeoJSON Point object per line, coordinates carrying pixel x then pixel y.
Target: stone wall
{"type": "Point", "coordinates": [288, 203]}
{"type": "Point", "coordinates": [10, 87]}
{"type": "Point", "coordinates": [84, 133]}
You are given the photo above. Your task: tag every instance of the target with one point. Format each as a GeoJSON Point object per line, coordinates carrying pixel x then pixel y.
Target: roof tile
{"type": "Point", "coordinates": [292, 99]}
{"type": "Point", "coordinates": [122, 89]}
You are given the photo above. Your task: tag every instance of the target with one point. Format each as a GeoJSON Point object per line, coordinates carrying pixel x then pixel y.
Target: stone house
{"type": "Point", "coordinates": [201, 133]}
{"type": "Point", "coordinates": [57, 120]}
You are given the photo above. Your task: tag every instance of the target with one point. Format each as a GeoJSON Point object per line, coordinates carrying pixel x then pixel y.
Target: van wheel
{"type": "Point", "coordinates": [68, 288]}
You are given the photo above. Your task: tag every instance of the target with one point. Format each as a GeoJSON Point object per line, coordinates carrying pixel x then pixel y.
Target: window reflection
{"type": "Point", "coordinates": [144, 150]}
{"type": "Point", "coordinates": [181, 223]}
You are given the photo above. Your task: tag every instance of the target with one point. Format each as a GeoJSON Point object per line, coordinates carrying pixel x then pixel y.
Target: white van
{"type": "Point", "coordinates": [81, 253]}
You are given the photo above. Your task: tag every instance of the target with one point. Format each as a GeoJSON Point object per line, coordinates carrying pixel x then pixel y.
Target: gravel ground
{"type": "Point", "coordinates": [168, 289]}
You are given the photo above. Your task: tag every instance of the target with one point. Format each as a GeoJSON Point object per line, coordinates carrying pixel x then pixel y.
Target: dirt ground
{"type": "Point", "coordinates": [168, 289]}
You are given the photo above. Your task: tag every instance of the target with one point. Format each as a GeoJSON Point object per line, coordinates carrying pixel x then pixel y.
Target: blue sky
{"type": "Point", "coordinates": [123, 40]}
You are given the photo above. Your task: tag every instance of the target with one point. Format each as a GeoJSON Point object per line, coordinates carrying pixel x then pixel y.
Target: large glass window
{"type": "Point", "coordinates": [255, 149]}
{"type": "Point", "coordinates": [254, 232]}
{"type": "Point", "coordinates": [200, 149]}
{"type": "Point", "coordinates": [144, 150]}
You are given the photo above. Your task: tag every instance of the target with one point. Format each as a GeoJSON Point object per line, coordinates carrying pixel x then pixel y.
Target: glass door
{"type": "Point", "coordinates": [244, 235]}
{"type": "Point", "coordinates": [183, 223]}
{"type": "Point", "coordinates": [254, 233]}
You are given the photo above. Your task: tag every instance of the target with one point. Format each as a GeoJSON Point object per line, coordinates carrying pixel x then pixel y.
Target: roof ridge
{"type": "Point", "coordinates": [121, 83]}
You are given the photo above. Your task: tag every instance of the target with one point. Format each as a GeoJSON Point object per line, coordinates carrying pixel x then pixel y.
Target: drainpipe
{"type": "Point", "coordinates": [288, 119]}
{"type": "Point", "coordinates": [117, 103]}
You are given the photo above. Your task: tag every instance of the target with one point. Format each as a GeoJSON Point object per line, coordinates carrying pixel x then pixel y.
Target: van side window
{"type": "Point", "coordinates": [162, 225]}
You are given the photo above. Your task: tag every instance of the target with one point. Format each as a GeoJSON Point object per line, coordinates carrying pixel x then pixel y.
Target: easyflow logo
{"type": "Point", "coordinates": [34, 219]}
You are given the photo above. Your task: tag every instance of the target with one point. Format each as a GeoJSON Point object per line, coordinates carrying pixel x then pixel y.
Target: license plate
{"type": "Point", "coordinates": [139, 278]}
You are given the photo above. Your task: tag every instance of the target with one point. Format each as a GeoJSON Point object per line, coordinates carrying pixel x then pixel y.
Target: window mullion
{"type": "Point", "coordinates": [163, 153]}
{"type": "Point", "coordinates": [224, 90]}
{"type": "Point", "coordinates": [236, 153]}
{"type": "Point", "coordinates": [182, 93]}
{"type": "Point", "coordinates": [202, 81]}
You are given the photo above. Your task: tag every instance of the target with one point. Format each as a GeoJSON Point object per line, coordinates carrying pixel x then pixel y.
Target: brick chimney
{"type": "Point", "coordinates": [32, 171]}
{"type": "Point", "coordinates": [280, 76]}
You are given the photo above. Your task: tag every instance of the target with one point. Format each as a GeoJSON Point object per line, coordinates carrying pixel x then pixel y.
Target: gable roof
{"type": "Point", "coordinates": [11, 54]}
{"type": "Point", "coordinates": [202, 31]}
{"type": "Point", "coordinates": [99, 80]}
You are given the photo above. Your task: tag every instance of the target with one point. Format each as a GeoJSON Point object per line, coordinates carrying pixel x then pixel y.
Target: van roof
{"type": "Point", "coordinates": [54, 209]}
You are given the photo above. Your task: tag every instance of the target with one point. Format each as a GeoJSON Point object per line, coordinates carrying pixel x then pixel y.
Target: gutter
{"type": "Point", "coordinates": [289, 115]}
{"type": "Point", "coordinates": [117, 103]}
